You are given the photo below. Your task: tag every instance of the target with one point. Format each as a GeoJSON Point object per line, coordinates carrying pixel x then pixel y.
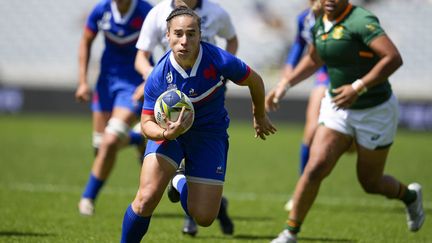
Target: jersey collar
{"type": "Point", "coordinates": [342, 16]}
{"type": "Point", "coordinates": [180, 70]}
{"type": "Point", "coordinates": [116, 13]}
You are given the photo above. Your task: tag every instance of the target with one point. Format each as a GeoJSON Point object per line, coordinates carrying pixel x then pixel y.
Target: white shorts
{"type": "Point", "coordinates": [372, 128]}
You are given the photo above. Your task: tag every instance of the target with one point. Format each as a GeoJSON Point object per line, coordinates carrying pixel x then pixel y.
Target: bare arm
{"type": "Point", "coordinates": [142, 63]}
{"type": "Point", "coordinates": [306, 67]}
{"type": "Point", "coordinates": [262, 124]}
{"type": "Point", "coordinates": [82, 93]}
{"type": "Point", "coordinates": [232, 45]}
{"type": "Point", "coordinates": [150, 128]}
{"type": "Point", "coordinates": [390, 61]}
{"type": "Point", "coordinates": [144, 67]}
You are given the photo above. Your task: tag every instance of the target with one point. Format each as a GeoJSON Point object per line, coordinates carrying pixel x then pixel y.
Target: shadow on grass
{"type": "Point", "coordinates": [369, 209]}
{"type": "Point", "coordinates": [317, 239]}
{"type": "Point", "coordinates": [23, 234]}
{"type": "Point", "coordinates": [234, 218]}
{"type": "Point", "coordinates": [168, 215]}
{"type": "Point", "coordinates": [260, 238]}
{"type": "Point", "coordinates": [251, 218]}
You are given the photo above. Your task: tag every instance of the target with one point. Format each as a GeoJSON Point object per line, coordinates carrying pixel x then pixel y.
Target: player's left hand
{"type": "Point", "coordinates": [263, 127]}
{"type": "Point", "coordinates": [345, 96]}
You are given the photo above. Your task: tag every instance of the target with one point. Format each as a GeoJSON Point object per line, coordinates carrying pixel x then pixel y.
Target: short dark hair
{"type": "Point", "coordinates": [182, 10]}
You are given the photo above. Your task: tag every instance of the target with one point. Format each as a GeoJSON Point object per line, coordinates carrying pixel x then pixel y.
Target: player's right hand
{"type": "Point", "coordinates": [82, 94]}
{"type": "Point", "coordinates": [273, 97]}
{"type": "Point", "coordinates": [263, 127]}
{"type": "Point", "coordinates": [138, 95]}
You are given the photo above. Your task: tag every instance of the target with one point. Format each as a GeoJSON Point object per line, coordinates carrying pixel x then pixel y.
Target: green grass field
{"type": "Point", "coordinates": [45, 162]}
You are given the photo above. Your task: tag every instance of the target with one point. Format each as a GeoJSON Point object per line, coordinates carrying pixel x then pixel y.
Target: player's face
{"type": "Point", "coordinates": [184, 38]}
{"type": "Point", "coordinates": [122, 3]}
{"type": "Point", "coordinates": [333, 8]}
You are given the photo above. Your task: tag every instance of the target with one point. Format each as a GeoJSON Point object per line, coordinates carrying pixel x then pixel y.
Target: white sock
{"type": "Point", "coordinates": [178, 179]}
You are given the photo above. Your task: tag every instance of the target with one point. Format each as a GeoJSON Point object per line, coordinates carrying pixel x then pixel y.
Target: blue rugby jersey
{"type": "Point", "coordinates": [120, 33]}
{"type": "Point", "coordinates": [305, 23]}
{"type": "Point", "coordinates": [204, 84]}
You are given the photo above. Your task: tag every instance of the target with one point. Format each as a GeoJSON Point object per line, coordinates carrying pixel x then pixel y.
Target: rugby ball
{"type": "Point", "coordinates": [169, 105]}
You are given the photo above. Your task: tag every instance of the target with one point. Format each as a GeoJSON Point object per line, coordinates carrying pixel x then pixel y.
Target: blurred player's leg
{"type": "Point", "coordinates": [94, 184]}
{"type": "Point", "coordinates": [312, 114]}
{"type": "Point", "coordinates": [225, 221]}
{"type": "Point", "coordinates": [115, 136]}
{"type": "Point", "coordinates": [189, 226]}
{"type": "Point", "coordinates": [136, 138]}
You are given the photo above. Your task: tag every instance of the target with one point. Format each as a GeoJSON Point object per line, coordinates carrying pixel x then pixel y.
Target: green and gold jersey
{"type": "Point", "coordinates": [345, 50]}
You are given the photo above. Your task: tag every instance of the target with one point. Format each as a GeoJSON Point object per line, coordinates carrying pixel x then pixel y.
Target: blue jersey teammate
{"type": "Point", "coordinates": [114, 110]}
{"type": "Point", "coordinates": [199, 70]}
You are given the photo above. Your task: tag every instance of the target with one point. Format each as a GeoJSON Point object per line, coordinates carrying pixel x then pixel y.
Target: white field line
{"type": "Point", "coordinates": [238, 196]}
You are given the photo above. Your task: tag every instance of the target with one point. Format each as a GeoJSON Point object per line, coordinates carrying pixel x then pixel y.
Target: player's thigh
{"type": "Point", "coordinates": [314, 102]}
{"type": "Point", "coordinates": [125, 107]}
{"type": "Point", "coordinates": [102, 104]}
{"type": "Point", "coordinates": [371, 163]}
{"type": "Point", "coordinates": [327, 147]}
{"type": "Point", "coordinates": [100, 120]}
{"type": "Point", "coordinates": [124, 114]}
{"type": "Point", "coordinates": [156, 172]}
{"type": "Point", "coordinates": [312, 113]}
{"type": "Point", "coordinates": [204, 199]}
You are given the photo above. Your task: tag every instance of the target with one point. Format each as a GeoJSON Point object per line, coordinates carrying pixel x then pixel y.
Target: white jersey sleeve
{"type": "Point", "coordinates": [215, 21]}
{"type": "Point", "coordinates": [226, 30]}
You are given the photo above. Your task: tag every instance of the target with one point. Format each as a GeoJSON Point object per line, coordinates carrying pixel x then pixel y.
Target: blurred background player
{"type": "Point", "coordinates": [114, 110]}
{"type": "Point", "coordinates": [199, 69]}
{"type": "Point", "coordinates": [303, 38]}
{"type": "Point", "coordinates": [359, 105]}
{"type": "Point", "coordinates": [215, 21]}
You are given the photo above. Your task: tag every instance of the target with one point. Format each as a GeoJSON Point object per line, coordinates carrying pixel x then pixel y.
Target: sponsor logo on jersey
{"type": "Point", "coordinates": [221, 78]}
{"type": "Point", "coordinates": [136, 23]}
{"type": "Point", "coordinates": [219, 170]}
{"type": "Point", "coordinates": [338, 32]}
{"type": "Point", "coordinates": [169, 77]}
{"type": "Point", "coordinates": [370, 27]}
{"type": "Point", "coordinates": [104, 23]}
{"type": "Point", "coordinates": [210, 72]}
{"type": "Point", "coordinates": [375, 137]}
{"type": "Point", "coordinates": [192, 92]}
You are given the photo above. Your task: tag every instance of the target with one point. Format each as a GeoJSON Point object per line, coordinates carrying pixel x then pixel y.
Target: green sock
{"type": "Point", "coordinates": [293, 226]}
{"type": "Point", "coordinates": [406, 195]}
{"type": "Point", "coordinates": [409, 196]}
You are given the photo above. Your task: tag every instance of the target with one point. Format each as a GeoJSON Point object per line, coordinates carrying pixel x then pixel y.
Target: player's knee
{"type": "Point", "coordinates": [118, 128]}
{"type": "Point", "coordinates": [204, 220]}
{"type": "Point", "coordinates": [97, 140]}
{"type": "Point", "coordinates": [145, 203]}
{"type": "Point", "coordinates": [203, 216]}
{"type": "Point", "coordinates": [370, 186]}
{"type": "Point", "coordinates": [316, 171]}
